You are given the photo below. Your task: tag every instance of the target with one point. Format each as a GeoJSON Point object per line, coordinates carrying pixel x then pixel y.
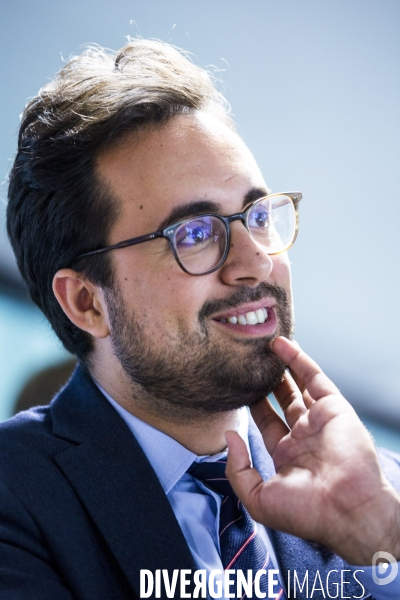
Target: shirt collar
{"type": "Point", "coordinates": [169, 459]}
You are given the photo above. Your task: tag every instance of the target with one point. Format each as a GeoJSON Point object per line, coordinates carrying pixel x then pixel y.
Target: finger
{"type": "Point", "coordinates": [270, 424]}
{"type": "Point", "coordinates": [244, 479]}
{"type": "Point", "coordinates": [307, 399]}
{"type": "Point", "coordinates": [300, 384]}
{"type": "Point", "coordinates": [290, 399]}
{"type": "Point", "coordinates": [262, 499]}
{"type": "Point", "coordinates": [317, 383]}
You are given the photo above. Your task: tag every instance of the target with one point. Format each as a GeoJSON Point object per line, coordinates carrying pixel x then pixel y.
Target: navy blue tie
{"type": "Point", "coordinates": [240, 545]}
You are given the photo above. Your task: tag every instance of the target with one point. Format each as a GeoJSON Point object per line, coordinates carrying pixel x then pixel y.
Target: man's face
{"type": "Point", "coordinates": [170, 330]}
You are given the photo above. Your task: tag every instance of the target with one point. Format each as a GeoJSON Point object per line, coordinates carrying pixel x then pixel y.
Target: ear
{"type": "Point", "coordinates": [82, 301]}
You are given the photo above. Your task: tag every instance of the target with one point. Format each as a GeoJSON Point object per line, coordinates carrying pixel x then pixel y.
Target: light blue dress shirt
{"type": "Point", "coordinates": [196, 507]}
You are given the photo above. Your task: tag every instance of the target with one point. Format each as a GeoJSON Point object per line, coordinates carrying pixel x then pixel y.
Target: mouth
{"type": "Point", "coordinates": [255, 319]}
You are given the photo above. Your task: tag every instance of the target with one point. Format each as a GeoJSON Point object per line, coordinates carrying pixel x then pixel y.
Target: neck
{"type": "Point", "coordinates": [200, 433]}
{"type": "Point", "coordinates": [203, 436]}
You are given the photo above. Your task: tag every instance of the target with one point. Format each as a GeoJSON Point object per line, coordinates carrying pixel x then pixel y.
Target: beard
{"type": "Point", "coordinates": [195, 374]}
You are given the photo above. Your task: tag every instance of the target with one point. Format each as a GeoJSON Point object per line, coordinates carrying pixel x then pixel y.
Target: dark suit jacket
{"type": "Point", "coordinates": [82, 511]}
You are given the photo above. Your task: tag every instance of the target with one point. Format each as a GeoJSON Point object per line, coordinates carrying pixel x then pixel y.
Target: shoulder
{"type": "Point", "coordinates": [27, 446]}
{"type": "Point", "coordinates": [78, 417]}
{"type": "Point", "coordinates": [33, 429]}
{"type": "Point", "coordinates": [29, 440]}
{"type": "Point", "coordinates": [26, 429]}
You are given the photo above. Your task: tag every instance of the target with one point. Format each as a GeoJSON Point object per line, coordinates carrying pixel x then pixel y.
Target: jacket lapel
{"type": "Point", "coordinates": [114, 480]}
{"type": "Point", "coordinates": [305, 558]}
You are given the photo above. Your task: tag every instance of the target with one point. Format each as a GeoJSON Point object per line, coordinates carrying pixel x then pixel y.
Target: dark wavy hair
{"type": "Point", "coordinates": [58, 207]}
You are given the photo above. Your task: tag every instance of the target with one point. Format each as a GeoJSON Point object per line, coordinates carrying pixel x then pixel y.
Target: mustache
{"type": "Point", "coordinates": [245, 294]}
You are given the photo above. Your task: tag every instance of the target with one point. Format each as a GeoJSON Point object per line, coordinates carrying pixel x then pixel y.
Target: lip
{"type": "Point", "coordinates": [268, 328]}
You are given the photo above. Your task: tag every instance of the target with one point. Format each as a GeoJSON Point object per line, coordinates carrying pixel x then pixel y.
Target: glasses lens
{"type": "Point", "coordinates": [272, 223]}
{"type": "Point", "coordinates": [200, 243]}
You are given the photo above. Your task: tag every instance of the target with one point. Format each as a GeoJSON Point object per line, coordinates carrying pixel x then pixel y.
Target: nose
{"type": "Point", "coordinates": [246, 263]}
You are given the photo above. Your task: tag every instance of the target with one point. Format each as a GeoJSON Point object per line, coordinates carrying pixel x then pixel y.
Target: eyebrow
{"type": "Point", "coordinates": [198, 207]}
{"type": "Point", "coordinates": [255, 194]}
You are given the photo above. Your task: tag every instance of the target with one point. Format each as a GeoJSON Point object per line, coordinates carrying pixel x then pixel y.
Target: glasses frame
{"type": "Point", "coordinates": [169, 232]}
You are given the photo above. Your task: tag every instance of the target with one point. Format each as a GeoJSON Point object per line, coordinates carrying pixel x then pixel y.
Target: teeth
{"type": "Point", "coordinates": [261, 315]}
{"type": "Point", "coordinates": [250, 318]}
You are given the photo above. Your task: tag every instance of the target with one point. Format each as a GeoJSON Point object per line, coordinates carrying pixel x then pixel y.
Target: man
{"type": "Point", "coordinates": [147, 235]}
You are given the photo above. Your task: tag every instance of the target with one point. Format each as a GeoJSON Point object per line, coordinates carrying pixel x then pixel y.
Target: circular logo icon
{"type": "Point", "coordinates": [386, 571]}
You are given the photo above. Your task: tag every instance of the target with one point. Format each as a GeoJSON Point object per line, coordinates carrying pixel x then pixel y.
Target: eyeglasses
{"type": "Point", "coordinates": [201, 244]}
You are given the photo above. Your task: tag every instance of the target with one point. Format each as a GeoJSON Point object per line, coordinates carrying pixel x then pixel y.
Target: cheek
{"type": "Point", "coordinates": [183, 299]}
{"type": "Point", "coordinates": [162, 297]}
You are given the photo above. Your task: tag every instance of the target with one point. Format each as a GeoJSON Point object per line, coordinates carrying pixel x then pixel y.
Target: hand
{"type": "Point", "coordinates": [328, 487]}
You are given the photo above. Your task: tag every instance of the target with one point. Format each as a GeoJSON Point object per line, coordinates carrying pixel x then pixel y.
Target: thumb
{"type": "Point", "coordinates": [245, 480]}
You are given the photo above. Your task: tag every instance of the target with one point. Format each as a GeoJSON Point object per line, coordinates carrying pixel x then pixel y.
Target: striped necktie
{"type": "Point", "coordinates": [240, 545]}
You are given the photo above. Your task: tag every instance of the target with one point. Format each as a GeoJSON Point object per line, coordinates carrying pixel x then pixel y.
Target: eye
{"type": "Point", "coordinates": [194, 233]}
{"type": "Point", "coordinates": [198, 234]}
{"type": "Point", "coordinates": [259, 217]}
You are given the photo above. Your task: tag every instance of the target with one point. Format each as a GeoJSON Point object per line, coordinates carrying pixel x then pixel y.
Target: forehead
{"type": "Point", "coordinates": [190, 158]}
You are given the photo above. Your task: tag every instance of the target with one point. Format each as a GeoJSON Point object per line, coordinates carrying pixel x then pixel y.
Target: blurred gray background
{"type": "Point", "coordinates": [315, 90]}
